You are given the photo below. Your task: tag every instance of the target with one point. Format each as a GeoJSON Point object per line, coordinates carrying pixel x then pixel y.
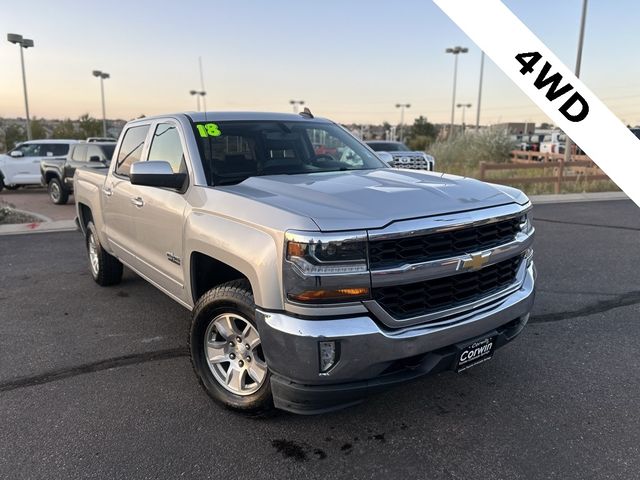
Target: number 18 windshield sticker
{"type": "Point", "coordinates": [208, 130]}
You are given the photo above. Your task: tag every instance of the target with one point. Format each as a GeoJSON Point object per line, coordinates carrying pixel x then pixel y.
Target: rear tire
{"type": "Point", "coordinates": [57, 193]}
{"type": "Point", "coordinates": [226, 350]}
{"type": "Point", "coordinates": [105, 268]}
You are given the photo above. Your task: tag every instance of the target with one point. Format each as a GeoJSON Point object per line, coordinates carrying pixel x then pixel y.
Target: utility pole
{"type": "Point", "coordinates": [480, 92]}
{"type": "Point", "coordinates": [583, 20]}
{"type": "Point", "coordinates": [203, 92]}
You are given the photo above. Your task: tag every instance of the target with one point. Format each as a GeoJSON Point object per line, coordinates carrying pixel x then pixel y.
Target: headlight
{"type": "Point", "coordinates": [325, 268]}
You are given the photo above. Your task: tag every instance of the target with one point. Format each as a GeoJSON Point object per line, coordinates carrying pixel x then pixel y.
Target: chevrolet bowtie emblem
{"type": "Point", "coordinates": [474, 261]}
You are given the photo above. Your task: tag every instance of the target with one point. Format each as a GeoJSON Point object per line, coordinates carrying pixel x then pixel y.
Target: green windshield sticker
{"type": "Point", "coordinates": [208, 130]}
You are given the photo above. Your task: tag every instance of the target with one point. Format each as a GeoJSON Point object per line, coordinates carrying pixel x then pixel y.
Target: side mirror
{"type": "Point", "coordinates": [156, 174]}
{"type": "Point", "coordinates": [95, 158]}
{"type": "Point", "coordinates": [16, 154]}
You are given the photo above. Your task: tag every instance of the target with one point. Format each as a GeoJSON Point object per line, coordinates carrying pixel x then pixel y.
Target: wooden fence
{"type": "Point", "coordinates": [562, 171]}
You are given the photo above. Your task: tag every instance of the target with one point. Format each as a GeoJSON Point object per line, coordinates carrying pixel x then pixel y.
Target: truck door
{"type": "Point", "coordinates": [159, 219]}
{"type": "Point", "coordinates": [25, 168]}
{"type": "Point", "coordinates": [121, 199]}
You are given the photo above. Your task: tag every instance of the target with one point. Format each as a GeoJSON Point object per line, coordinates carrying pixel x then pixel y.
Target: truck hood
{"type": "Point", "coordinates": [366, 199]}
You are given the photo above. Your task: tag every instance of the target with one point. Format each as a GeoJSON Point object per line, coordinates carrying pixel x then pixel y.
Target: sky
{"type": "Point", "coordinates": [349, 60]}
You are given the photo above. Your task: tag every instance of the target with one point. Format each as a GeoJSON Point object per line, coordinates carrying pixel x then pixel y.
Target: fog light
{"type": "Point", "coordinates": [327, 355]}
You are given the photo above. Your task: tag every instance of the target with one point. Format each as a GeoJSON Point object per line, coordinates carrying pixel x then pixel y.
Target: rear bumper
{"type": "Point", "coordinates": [372, 358]}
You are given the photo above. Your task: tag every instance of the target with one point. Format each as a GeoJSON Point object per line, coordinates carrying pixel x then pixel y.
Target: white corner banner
{"type": "Point", "coordinates": [552, 86]}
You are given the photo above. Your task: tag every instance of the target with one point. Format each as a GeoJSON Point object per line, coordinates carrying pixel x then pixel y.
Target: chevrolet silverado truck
{"type": "Point", "coordinates": [314, 279]}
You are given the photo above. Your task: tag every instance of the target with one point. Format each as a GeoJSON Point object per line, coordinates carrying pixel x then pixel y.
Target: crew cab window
{"type": "Point", "coordinates": [131, 149]}
{"type": "Point", "coordinates": [166, 147]}
{"type": "Point", "coordinates": [103, 152]}
{"type": "Point", "coordinates": [79, 153]}
{"type": "Point", "coordinates": [55, 149]}
{"type": "Point", "coordinates": [30, 150]}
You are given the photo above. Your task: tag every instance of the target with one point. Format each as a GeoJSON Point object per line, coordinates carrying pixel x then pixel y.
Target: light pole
{"type": "Point", "coordinates": [464, 107]}
{"type": "Point", "coordinates": [402, 106]}
{"type": "Point", "coordinates": [23, 43]}
{"type": "Point", "coordinates": [480, 91]}
{"type": "Point", "coordinates": [295, 104]}
{"type": "Point", "coordinates": [583, 20]}
{"type": "Point", "coordinates": [102, 75]}
{"type": "Point", "coordinates": [455, 51]}
{"type": "Point", "coordinates": [198, 94]}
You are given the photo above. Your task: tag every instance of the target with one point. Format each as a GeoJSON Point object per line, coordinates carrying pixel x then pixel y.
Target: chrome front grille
{"type": "Point", "coordinates": [415, 249]}
{"type": "Point", "coordinates": [422, 298]}
{"type": "Point", "coordinates": [411, 161]}
{"type": "Point", "coordinates": [434, 269]}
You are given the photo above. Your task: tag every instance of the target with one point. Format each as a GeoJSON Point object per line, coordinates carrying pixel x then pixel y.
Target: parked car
{"type": "Point", "coordinates": [57, 173]}
{"type": "Point", "coordinates": [312, 281]}
{"type": "Point", "coordinates": [21, 166]}
{"type": "Point", "coordinates": [400, 156]}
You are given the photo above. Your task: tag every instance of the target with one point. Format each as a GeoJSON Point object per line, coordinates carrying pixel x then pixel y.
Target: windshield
{"type": "Point", "coordinates": [234, 151]}
{"type": "Point", "coordinates": [388, 146]}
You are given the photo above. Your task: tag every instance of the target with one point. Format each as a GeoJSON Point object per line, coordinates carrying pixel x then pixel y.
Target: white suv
{"type": "Point", "coordinates": [21, 166]}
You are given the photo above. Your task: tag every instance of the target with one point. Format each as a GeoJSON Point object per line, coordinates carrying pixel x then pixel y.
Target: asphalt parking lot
{"type": "Point", "coordinates": [96, 383]}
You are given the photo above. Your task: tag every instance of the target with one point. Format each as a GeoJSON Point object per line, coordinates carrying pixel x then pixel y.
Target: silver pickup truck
{"type": "Point", "coordinates": [313, 278]}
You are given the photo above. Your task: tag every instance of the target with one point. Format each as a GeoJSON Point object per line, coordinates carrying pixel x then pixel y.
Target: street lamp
{"type": "Point", "coordinates": [568, 143]}
{"type": "Point", "coordinates": [198, 93]}
{"type": "Point", "coordinates": [295, 104]}
{"type": "Point", "coordinates": [455, 51]}
{"type": "Point", "coordinates": [23, 43]}
{"type": "Point", "coordinates": [102, 76]}
{"type": "Point", "coordinates": [402, 106]}
{"type": "Point", "coordinates": [464, 107]}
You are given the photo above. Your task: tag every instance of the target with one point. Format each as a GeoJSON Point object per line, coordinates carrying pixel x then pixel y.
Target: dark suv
{"type": "Point", "coordinates": [57, 174]}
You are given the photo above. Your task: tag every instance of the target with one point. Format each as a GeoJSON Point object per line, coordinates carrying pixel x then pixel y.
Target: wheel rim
{"type": "Point", "coordinates": [54, 191]}
{"type": "Point", "coordinates": [234, 354]}
{"type": "Point", "coordinates": [93, 255]}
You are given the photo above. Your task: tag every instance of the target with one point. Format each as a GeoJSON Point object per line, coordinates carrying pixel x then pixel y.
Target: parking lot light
{"type": "Point", "coordinates": [402, 106]}
{"type": "Point", "coordinates": [455, 51]}
{"type": "Point", "coordinates": [295, 104]}
{"type": "Point", "coordinates": [23, 43]}
{"type": "Point", "coordinates": [102, 76]}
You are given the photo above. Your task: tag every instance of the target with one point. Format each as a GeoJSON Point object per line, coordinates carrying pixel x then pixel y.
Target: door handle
{"type": "Point", "coordinates": [107, 191]}
{"type": "Point", "coordinates": [137, 201]}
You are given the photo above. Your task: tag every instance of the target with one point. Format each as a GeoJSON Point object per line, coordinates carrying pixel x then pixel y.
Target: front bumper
{"type": "Point", "coordinates": [372, 357]}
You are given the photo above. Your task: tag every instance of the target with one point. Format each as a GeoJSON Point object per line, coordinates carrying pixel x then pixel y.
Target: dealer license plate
{"type": "Point", "coordinates": [475, 354]}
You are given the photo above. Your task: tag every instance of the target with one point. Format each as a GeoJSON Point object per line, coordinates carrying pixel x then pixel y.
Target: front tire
{"type": "Point", "coordinates": [105, 268]}
{"type": "Point", "coordinates": [226, 349]}
{"type": "Point", "coordinates": [57, 193]}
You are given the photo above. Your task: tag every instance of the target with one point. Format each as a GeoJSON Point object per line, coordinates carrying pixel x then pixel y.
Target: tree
{"type": "Point", "coordinates": [65, 129]}
{"type": "Point", "coordinates": [421, 127]}
{"type": "Point", "coordinates": [13, 135]}
{"type": "Point", "coordinates": [89, 127]}
{"type": "Point", "coordinates": [37, 129]}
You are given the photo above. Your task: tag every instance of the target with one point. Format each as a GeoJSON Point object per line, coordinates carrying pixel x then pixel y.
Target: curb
{"type": "Point", "coordinates": [38, 227]}
{"type": "Point", "coordinates": [578, 197]}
